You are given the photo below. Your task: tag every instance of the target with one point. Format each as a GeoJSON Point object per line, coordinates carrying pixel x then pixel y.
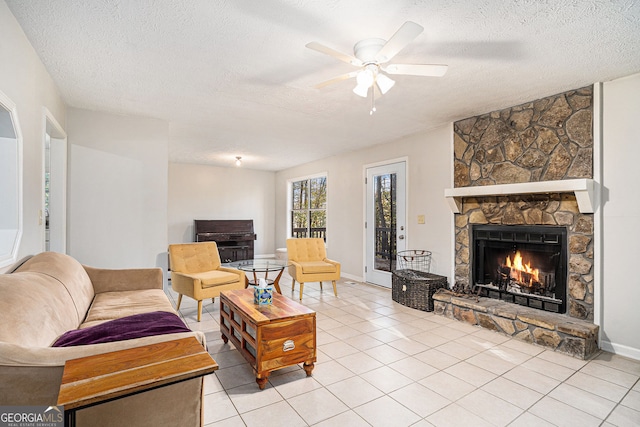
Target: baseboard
{"type": "Point", "coordinates": [620, 350]}
{"type": "Point", "coordinates": [351, 277]}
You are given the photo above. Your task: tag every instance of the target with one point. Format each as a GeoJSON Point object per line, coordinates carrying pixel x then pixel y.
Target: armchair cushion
{"type": "Point", "coordinates": [303, 250]}
{"type": "Point", "coordinates": [314, 267]}
{"type": "Point", "coordinates": [214, 278]}
{"type": "Point", "coordinates": [194, 258]}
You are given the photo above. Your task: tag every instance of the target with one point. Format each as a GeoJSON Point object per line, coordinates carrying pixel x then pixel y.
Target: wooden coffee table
{"type": "Point", "coordinates": [269, 337]}
{"type": "Point", "coordinates": [104, 377]}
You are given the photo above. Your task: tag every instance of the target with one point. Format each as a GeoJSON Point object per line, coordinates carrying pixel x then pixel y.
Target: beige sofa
{"type": "Point", "coordinates": [50, 294]}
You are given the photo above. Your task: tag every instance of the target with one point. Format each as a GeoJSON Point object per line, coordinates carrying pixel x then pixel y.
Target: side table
{"type": "Point", "coordinates": [101, 378]}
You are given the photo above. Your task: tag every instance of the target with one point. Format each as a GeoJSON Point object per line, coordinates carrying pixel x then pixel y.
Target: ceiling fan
{"type": "Point", "coordinates": [372, 57]}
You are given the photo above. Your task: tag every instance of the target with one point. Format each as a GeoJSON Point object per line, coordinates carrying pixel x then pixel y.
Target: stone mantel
{"type": "Point", "coordinates": [582, 188]}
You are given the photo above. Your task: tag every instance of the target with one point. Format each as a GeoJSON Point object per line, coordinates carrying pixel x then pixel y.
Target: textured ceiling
{"type": "Point", "coordinates": [233, 77]}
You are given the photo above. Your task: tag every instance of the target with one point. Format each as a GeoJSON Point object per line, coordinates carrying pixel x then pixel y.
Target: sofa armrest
{"type": "Point", "coordinates": [108, 280]}
{"type": "Point", "coordinates": [32, 375]}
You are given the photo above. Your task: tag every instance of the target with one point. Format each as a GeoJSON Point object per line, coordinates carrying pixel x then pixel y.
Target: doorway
{"type": "Point", "coordinates": [386, 220]}
{"type": "Point", "coordinates": [54, 211]}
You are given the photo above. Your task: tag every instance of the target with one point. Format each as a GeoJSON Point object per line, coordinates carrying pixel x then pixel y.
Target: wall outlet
{"type": "Point", "coordinates": [420, 219]}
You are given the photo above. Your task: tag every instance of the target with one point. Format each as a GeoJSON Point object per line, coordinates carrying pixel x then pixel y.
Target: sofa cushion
{"type": "Point", "coordinates": [117, 304]}
{"type": "Point", "coordinates": [67, 271]}
{"type": "Point", "coordinates": [313, 267]}
{"type": "Point", "coordinates": [126, 328]}
{"type": "Point", "coordinates": [35, 309]}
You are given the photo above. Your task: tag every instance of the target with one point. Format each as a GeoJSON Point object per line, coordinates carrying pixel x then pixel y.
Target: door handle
{"type": "Point", "coordinates": [401, 237]}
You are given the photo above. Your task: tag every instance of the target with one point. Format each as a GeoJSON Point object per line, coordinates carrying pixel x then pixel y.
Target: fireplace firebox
{"type": "Point", "coordinates": [525, 265]}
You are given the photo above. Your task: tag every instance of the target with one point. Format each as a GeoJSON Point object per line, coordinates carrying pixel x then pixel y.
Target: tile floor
{"type": "Point", "coordinates": [383, 364]}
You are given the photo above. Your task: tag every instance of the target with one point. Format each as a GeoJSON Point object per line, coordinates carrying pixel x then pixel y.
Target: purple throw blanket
{"type": "Point", "coordinates": [125, 328]}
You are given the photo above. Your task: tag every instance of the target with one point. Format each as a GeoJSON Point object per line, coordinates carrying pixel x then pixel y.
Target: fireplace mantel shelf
{"type": "Point", "coordinates": [582, 188]}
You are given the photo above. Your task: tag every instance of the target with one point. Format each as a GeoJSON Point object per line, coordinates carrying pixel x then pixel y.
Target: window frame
{"type": "Point", "coordinates": [12, 226]}
{"type": "Point", "coordinates": [290, 210]}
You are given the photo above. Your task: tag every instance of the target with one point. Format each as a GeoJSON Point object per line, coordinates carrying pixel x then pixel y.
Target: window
{"type": "Point", "coordinates": [10, 182]}
{"type": "Point", "coordinates": [309, 208]}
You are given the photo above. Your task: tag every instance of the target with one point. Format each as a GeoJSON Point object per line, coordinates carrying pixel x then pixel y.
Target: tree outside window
{"type": "Point", "coordinates": [309, 208]}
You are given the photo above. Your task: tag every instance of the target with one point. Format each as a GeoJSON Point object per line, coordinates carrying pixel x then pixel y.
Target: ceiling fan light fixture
{"type": "Point", "coordinates": [361, 90]}
{"type": "Point", "coordinates": [365, 78]}
{"type": "Point", "coordinates": [384, 83]}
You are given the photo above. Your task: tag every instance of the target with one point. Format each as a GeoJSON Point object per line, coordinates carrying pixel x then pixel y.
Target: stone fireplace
{"type": "Point", "coordinates": [523, 195]}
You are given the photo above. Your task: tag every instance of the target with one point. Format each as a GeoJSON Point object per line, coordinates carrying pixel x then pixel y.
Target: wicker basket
{"type": "Point", "coordinates": [414, 259]}
{"type": "Point", "coordinates": [415, 289]}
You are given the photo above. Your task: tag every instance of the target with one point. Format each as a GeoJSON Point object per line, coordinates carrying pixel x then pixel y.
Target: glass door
{"type": "Point", "coordinates": [385, 224]}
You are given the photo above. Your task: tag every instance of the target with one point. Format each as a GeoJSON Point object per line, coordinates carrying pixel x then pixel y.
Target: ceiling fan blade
{"type": "Point", "coordinates": [405, 34]}
{"type": "Point", "coordinates": [332, 52]}
{"type": "Point", "coordinates": [336, 79]}
{"type": "Point", "coordinates": [427, 70]}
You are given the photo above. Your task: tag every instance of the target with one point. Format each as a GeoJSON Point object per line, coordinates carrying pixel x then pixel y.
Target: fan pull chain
{"type": "Point", "coordinates": [373, 101]}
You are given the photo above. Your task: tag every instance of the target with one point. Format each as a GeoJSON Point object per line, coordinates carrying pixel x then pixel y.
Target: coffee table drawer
{"type": "Point", "coordinates": [286, 343]}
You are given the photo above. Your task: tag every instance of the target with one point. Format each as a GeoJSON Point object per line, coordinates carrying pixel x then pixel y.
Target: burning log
{"type": "Point", "coordinates": [517, 276]}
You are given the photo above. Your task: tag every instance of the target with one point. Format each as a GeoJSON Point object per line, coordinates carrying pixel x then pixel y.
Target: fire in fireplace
{"type": "Point", "coordinates": [526, 265]}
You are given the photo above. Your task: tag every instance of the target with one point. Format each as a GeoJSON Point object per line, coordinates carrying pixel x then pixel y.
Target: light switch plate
{"type": "Point", "coordinates": [420, 219]}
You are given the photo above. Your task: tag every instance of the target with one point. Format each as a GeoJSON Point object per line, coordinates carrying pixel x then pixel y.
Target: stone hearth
{"type": "Point", "coordinates": [576, 338]}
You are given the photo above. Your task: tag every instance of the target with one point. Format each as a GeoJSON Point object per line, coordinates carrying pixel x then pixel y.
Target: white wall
{"type": "Point", "coordinates": [118, 189]}
{"type": "Point", "coordinates": [621, 217]}
{"type": "Point", "coordinates": [208, 192]}
{"type": "Point", "coordinates": [26, 82]}
{"type": "Point", "coordinates": [429, 172]}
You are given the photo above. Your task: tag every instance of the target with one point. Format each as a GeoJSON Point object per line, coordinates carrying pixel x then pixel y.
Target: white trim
{"type": "Point", "coordinates": [57, 127]}
{"type": "Point", "coordinates": [452, 156]}
{"type": "Point", "coordinates": [582, 188]}
{"type": "Point", "coordinates": [598, 309]}
{"type": "Point", "coordinates": [619, 349]}
{"type": "Point", "coordinates": [353, 277]}
{"type": "Point", "coordinates": [56, 132]}
{"type": "Point", "coordinates": [10, 257]}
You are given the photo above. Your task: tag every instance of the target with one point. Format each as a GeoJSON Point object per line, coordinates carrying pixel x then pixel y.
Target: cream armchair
{"type": "Point", "coordinates": [196, 272]}
{"type": "Point", "coordinates": [309, 263]}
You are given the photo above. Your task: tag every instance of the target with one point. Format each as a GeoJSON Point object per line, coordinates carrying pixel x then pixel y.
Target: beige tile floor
{"type": "Point", "coordinates": [383, 364]}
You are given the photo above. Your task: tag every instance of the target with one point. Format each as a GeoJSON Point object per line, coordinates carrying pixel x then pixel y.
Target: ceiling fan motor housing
{"type": "Point", "coordinates": [367, 49]}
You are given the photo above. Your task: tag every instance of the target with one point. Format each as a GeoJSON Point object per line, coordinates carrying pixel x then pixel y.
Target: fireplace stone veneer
{"type": "Point", "coordinates": [547, 140]}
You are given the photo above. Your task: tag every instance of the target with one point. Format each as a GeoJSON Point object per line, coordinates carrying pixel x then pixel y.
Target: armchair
{"type": "Point", "coordinates": [309, 263]}
{"type": "Point", "coordinates": [196, 272]}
